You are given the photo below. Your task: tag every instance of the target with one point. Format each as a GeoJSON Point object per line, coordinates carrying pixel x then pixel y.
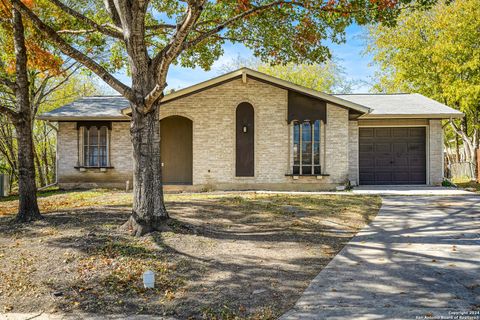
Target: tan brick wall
{"type": "Point", "coordinates": [353, 152]}
{"type": "Point", "coordinates": [435, 136]}
{"type": "Point", "coordinates": [336, 144]}
{"type": "Point", "coordinates": [213, 115]}
{"type": "Point", "coordinates": [120, 159]}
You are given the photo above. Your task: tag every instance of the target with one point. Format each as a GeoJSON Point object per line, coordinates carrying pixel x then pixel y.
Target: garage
{"type": "Point", "coordinates": [392, 155]}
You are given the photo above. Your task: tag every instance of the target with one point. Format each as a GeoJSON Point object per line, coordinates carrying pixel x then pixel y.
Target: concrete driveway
{"type": "Point", "coordinates": [419, 259]}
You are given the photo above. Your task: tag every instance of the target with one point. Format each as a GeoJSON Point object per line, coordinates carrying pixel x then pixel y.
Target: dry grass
{"type": "Point", "coordinates": [221, 256]}
{"type": "Point", "coordinates": [467, 184]}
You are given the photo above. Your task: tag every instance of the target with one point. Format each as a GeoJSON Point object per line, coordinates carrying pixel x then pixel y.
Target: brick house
{"type": "Point", "coordinates": [248, 130]}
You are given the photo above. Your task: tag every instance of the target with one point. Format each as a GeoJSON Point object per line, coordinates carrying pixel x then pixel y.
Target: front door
{"type": "Point", "coordinates": [176, 150]}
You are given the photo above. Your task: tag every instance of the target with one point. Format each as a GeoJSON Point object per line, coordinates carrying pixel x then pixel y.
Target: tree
{"type": "Point", "coordinates": [22, 119]}
{"type": "Point", "coordinates": [155, 34]}
{"type": "Point", "coordinates": [28, 74]}
{"type": "Point", "coordinates": [435, 53]}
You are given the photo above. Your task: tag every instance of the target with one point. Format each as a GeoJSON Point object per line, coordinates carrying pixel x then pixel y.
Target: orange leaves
{"type": "Point", "coordinates": [38, 59]}
{"type": "Point", "coordinates": [384, 4]}
{"type": "Point", "coordinates": [42, 60]}
{"type": "Point", "coordinates": [244, 5]}
{"type": "Point", "coordinates": [6, 7]}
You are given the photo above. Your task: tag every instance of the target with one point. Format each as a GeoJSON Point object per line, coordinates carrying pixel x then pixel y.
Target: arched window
{"type": "Point", "coordinates": [306, 148]}
{"type": "Point", "coordinates": [93, 145]}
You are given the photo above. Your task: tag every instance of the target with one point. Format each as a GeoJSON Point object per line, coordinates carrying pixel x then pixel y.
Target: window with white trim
{"type": "Point", "coordinates": [306, 148]}
{"type": "Point", "coordinates": [94, 146]}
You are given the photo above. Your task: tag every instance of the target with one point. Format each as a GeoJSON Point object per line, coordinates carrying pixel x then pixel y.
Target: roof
{"type": "Point", "coordinates": [401, 105]}
{"type": "Point", "coordinates": [245, 73]}
{"type": "Point", "coordinates": [368, 105]}
{"type": "Point", "coordinates": [90, 108]}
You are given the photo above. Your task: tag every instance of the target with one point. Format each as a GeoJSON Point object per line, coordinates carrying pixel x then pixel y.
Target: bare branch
{"type": "Point", "coordinates": [106, 29]}
{"type": "Point", "coordinates": [70, 51]}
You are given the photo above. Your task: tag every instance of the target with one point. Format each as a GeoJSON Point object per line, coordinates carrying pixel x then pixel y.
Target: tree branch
{"type": "Point", "coordinates": [103, 28]}
{"type": "Point", "coordinates": [70, 51]}
{"type": "Point", "coordinates": [228, 22]}
{"type": "Point", "coordinates": [162, 60]}
{"type": "Point", "coordinates": [9, 113]}
{"type": "Point", "coordinates": [161, 26]}
{"type": "Point", "coordinates": [8, 83]}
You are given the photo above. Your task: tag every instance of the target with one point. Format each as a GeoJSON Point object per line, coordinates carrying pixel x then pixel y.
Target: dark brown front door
{"type": "Point", "coordinates": [392, 155]}
{"type": "Point", "coordinates": [244, 132]}
{"type": "Point", "coordinates": [176, 150]}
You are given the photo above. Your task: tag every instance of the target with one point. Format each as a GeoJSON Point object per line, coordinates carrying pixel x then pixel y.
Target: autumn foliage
{"type": "Point", "coordinates": [39, 58]}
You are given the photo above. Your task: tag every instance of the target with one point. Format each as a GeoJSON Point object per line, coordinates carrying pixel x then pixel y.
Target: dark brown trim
{"type": "Point", "coordinates": [306, 175]}
{"type": "Point", "coordinates": [98, 124]}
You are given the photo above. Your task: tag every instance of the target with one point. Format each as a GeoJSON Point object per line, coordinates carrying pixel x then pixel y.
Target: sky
{"type": "Point", "coordinates": [349, 55]}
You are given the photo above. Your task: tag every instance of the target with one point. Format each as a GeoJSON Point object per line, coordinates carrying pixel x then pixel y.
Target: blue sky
{"type": "Point", "coordinates": [349, 55]}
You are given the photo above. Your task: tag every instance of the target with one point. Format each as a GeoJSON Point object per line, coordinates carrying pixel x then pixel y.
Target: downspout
{"type": "Point", "coordinates": [56, 158]}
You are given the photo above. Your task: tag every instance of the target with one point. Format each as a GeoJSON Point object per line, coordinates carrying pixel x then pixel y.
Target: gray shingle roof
{"type": "Point", "coordinates": [382, 105]}
{"type": "Point", "coordinates": [400, 104]}
{"type": "Point", "coordinates": [100, 107]}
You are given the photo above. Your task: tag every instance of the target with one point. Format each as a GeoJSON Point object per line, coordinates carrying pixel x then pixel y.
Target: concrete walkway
{"type": "Point", "coordinates": [419, 259]}
{"type": "Point", "coordinates": [379, 191]}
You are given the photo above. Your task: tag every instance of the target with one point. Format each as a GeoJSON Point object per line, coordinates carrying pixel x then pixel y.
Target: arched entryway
{"type": "Point", "coordinates": [245, 140]}
{"type": "Point", "coordinates": [176, 150]}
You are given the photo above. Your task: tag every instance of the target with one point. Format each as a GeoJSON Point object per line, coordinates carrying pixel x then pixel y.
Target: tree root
{"type": "Point", "coordinates": [26, 216]}
{"type": "Point", "coordinates": [140, 228]}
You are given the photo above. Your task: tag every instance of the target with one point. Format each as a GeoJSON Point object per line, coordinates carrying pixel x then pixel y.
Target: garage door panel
{"type": "Point", "coordinates": [400, 132]}
{"type": "Point", "coordinates": [418, 147]}
{"type": "Point", "coordinates": [392, 155]}
{"type": "Point", "coordinates": [401, 162]}
{"type": "Point", "coordinates": [400, 147]}
{"type": "Point", "coordinates": [384, 163]}
{"type": "Point", "coordinates": [366, 147]}
{"type": "Point", "coordinates": [383, 147]}
{"type": "Point", "coordinates": [382, 132]}
{"type": "Point", "coordinates": [416, 132]}
{"type": "Point", "coordinates": [367, 163]}
{"type": "Point", "coordinates": [367, 132]}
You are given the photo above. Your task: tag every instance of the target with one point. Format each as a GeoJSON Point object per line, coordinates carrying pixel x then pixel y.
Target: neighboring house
{"type": "Point", "coordinates": [248, 130]}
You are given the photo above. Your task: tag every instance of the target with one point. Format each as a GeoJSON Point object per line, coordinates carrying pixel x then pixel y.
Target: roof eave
{"type": "Point", "coordinates": [90, 118]}
{"type": "Point", "coordinates": [413, 116]}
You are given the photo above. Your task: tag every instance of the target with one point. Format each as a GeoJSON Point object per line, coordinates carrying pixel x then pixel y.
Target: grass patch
{"type": "Point", "coordinates": [468, 184]}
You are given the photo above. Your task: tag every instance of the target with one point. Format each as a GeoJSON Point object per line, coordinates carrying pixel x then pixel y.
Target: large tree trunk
{"type": "Point", "coordinates": [28, 207]}
{"type": "Point", "coordinates": [27, 190]}
{"type": "Point", "coordinates": [148, 211]}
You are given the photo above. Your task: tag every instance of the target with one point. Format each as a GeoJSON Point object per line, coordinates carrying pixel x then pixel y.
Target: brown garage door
{"type": "Point", "coordinates": [392, 155]}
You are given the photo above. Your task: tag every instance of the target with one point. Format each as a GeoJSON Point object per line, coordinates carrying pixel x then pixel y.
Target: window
{"type": "Point", "coordinates": [94, 146]}
{"type": "Point", "coordinates": [306, 148]}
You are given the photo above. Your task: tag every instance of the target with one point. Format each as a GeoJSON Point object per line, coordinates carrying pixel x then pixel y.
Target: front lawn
{"type": "Point", "coordinates": [468, 184]}
{"type": "Point", "coordinates": [220, 256]}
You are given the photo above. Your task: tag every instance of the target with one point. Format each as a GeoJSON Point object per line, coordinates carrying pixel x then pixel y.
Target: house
{"type": "Point", "coordinates": [248, 130]}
